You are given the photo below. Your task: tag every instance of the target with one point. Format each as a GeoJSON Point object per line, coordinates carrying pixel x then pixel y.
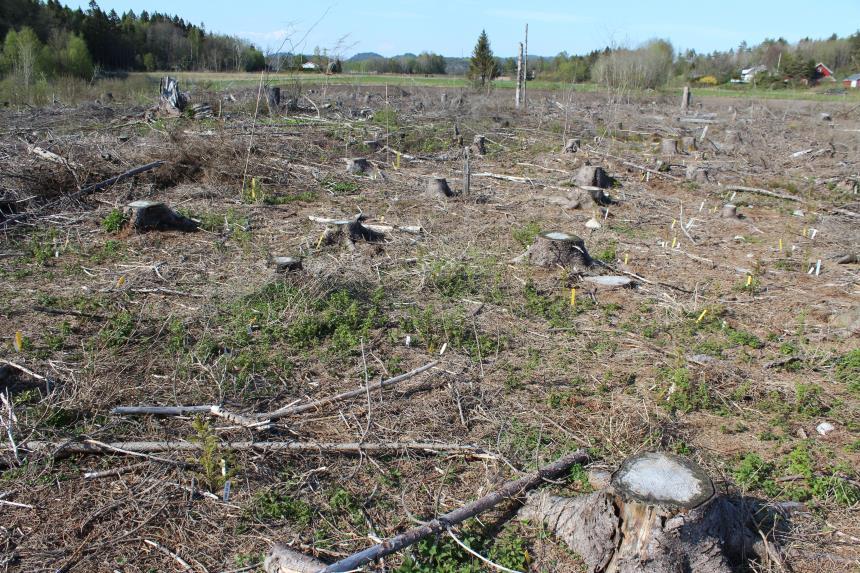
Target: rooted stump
{"type": "Point", "coordinates": [438, 187]}
{"type": "Point", "coordinates": [597, 195]}
{"type": "Point", "coordinates": [660, 514]}
{"type": "Point", "coordinates": [155, 216]}
{"type": "Point", "coordinates": [479, 145]}
{"type": "Point", "coordinates": [357, 165]}
{"type": "Point", "coordinates": [592, 176]}
{"type": "Point", "coordinates": [558, 249]}
{"type": "Point", "coordinates": [697, 174]}
{"type": "Point", "coordinates": [688, 144]}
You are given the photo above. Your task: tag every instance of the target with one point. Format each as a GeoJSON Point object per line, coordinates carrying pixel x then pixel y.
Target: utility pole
{"type": "Point", "coordinates": [526, 72]}
{"type": "Point", "coordinates": [520, 76]}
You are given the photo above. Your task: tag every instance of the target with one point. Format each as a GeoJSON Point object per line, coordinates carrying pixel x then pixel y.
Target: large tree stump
{"type": "Point", "coordinates": [697, 174]}
{"type": "Point", "coordinates": [155, 216]}
{"type": "Point", "coordinates": [558, 249]}
{"type": "Point", "coordinates": [357, 165]}
{"type": "Point", "coordinates": [592, 176]}
{"type": "Point", "coordinates": [171, 102]}
{"type": "Point", "coordinates": [438, 187]}
{"type": "Point", "coordinates": [660, 514]}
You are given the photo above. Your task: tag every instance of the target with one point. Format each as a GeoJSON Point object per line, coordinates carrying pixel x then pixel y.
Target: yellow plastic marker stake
{"type": "Point", "coordinates": [573, 297]}
{"type": "Point", "coordinates": [321, 239]}
{"type": "Point", "coordinates": [780, 244]}
{"type": "Point", "coordinates": [749, 281]}
{"type": "Point", "coordinates": [701, 316]}
{"type": "Point", "coordinates": [397, 160]}
{"type": "Point", "coordinates": [19, 341]}
{"type": "Point", "coordinates": [674, 241]}
{"type": "Point", "coordinates": [120, 281]}
{"type": "Point", "coordinates": [804, 233]}
{"type": "Point", "coordinates": [626, 258]}
{"type": "Point", "coordinates": [673, 223]}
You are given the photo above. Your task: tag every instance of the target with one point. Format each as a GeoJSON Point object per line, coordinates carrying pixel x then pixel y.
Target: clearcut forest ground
{"type": "Point", "coordinates": [727, 349]}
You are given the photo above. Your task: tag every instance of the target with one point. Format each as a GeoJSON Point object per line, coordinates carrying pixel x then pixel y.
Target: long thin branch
{"type": "Point", "coordinates": [92, 447]}
{"type": "Point", "coordinates": [440, 524]}
{"type": "Point", "coordinates": [767, 192]}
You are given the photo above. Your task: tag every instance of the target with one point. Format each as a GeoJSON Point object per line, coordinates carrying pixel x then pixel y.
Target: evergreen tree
{"type": "Point", "coordinates": [482, 67]}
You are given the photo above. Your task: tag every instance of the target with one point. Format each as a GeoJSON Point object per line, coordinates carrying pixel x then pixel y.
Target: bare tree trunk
{"type": "Point", "coordinates": [519, 76]}
{"type": "Point", "coordinates": [467, 171]}
{"type": "Point", "coordinates": [526, 71]}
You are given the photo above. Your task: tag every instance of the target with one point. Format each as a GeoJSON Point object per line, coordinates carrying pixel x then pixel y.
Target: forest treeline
{"type": "Point", "coordinates": [52, 39]}
{"type": "Point", "coordinates": [45, 39]}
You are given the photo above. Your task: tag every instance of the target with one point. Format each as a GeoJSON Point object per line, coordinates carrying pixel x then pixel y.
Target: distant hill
{"type": "Point", "coordinates": [365, 56]}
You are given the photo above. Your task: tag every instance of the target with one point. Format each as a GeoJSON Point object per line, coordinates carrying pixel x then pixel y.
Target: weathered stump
{"type": "Point", "coordinates": [668, 147]}
{"type": "Point", "coordinates": [171, 102]}
{"type": "Point", "coordinates": [558, 249]}
{"type": "Point", "coordinates": [660, 514]}
{"type": "Point", "coordinates": [592, 176]}
{"type": "Point", "coordinates": [155, 216]}
{"type": "Point", "coordinates": [572, 146]}
{"type": "Point", "coordinates": [438, 187]}
{"type": "Point", "coordinates": [686, 97]}
{"type": "Point", "coordinates": [729, 211]}
{"type": "Point", "coordinates": [479, 144]}
{"type": "Point", "coordinates": [282, 559]}
{"type": "Point", "coordinates": [688, 144]}
{"type": "Point", "coordinates": [273, 99]}
{"type": "Point", "coordinates": [697, 174]}
{"type": "Point", "coordinates": [357, 165]}
{"type": "Point", "coordinates": [286, 264]}
{"type": "Point", "coordinates": [597, 195]}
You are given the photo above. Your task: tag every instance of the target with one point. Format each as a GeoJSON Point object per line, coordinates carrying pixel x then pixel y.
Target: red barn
{"type": "Point", "coordinates": [822, 71]}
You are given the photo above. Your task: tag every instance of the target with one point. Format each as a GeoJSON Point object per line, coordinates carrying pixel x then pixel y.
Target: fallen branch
{"type": "Point", "coordinates": [160, 410]}
{"type": "Point", "coordinates": [442, 523]}
{"type": "Point", "coordinates": [767, 192]}
{"type": "Point", "coordinates": [92, 447]}
{"type": "Point", "coordinates": [293, 410]}
{"type": "Point", "coordinates": [119, 178]}
{"type": "Point", "coordinates": [52, 157]}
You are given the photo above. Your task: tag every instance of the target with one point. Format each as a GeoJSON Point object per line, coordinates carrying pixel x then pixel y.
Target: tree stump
{"type": "Point", "coordinates": [597, 195]}
{"type": "Point", "coordinates": [685, 99]}
{"type": "Point", "coordinates": [592, 176]}
{"type": "Point", "coordinates": [155, 216]}
{"type": "Point", "coordinates": [171, 102]}
{"type": "Point", "coordinates": [438, 187]}
{"type": "Point", "coordinates": [479, 144]}
{"type": "Point", "coordinates": [282, 559]}
{"type": "Point", "coordinates": [286, 264]}
{"type": "Point", "coordinates": [697, 174]}
{"type": "Point", "coordinates": [572, 146]}
{"type": "Point", "coordinates": [357, 165]}
{"type": "Point", "coordinates": [668, 147]}
{"type": "Point", "coordinates": [273, 99]}
{"type": "Point", "coordinates": [688, 144]}
{"type": "Point", "coordinates": [660, 514]}
{"type": "Point", "coordinates": [558, 249]}
{"type": "Point", "coordinates": [729, 211]}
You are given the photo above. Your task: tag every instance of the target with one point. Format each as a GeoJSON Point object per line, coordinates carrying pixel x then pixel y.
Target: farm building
{"type": "Point", "coordinates": [852, 81]}
{"type": "Point", "coordinates": [749, 74]}
{"type": "Point", "coordinates": [822, 72]}
{"type": "Point", "coordinates": [310, 66]}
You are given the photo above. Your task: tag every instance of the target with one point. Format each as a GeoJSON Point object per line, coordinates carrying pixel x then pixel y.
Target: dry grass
{"type": "Point", "coordinates": [183, 319]}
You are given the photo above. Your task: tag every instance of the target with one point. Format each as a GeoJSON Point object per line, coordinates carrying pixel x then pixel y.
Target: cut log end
{"type": "Point", "coordinates": [663, 479]}
{"type": "Point", "coordinates": [556, 248]}
{"type": "Point", "coordinates": [282, 559]}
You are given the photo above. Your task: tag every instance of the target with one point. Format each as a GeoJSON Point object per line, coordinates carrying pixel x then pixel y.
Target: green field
{"type": "Point", "coordinates": [219, 81]}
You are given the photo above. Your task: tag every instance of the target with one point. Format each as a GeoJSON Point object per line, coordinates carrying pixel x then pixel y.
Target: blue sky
{"type": "Point", "coordinates": [450, 27]}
